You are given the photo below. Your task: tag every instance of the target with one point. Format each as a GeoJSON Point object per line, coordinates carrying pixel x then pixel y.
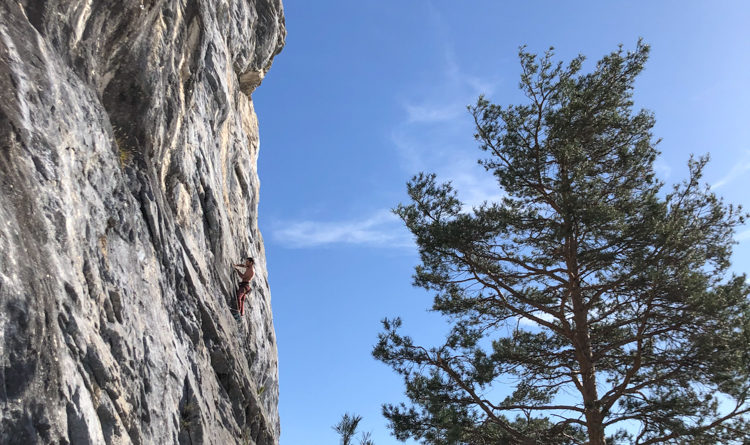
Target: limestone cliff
{"type": "Point", "coordinates": [128, 185]}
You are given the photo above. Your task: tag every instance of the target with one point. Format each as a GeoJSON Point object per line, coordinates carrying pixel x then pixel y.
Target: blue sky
{"type": "Point", "coordinates": [369, 92]}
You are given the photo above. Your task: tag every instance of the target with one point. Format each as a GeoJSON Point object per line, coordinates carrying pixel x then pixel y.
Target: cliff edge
{"type": "Point", "coordinates": [128, 186]}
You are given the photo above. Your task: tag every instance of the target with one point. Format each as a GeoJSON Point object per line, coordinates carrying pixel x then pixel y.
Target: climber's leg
{"type": "Point", "coordinates": [241, 293]}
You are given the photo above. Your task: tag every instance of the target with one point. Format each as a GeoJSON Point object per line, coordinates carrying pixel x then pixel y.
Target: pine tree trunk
{"type": "Point", "coordinates": [593, 413]}
{"type": "Point", "coordinates": [582, 345]}
{"type": "Point", "coordinates": [595, 427]}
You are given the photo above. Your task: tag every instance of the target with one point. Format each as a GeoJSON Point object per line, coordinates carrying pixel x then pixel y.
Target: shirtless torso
{"type": "Point", "coordinates": [249, 272]}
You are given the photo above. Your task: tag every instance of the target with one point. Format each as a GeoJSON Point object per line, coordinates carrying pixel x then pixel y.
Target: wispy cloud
{"type": "Point", "coordinates": [475, 189]}
{"type": "Point", "coordinates": [524, 321]}
{"type": "Point", "coordinates": [382, 229]}
{"type": "Point", "coordinates": [662, 169]}
{"type": "Point", "coordinates": [445, 97]}
{"type": "Point", "coordinates": [738, 170]}
{"type": "Point", "coordinates": [743, 236]}
{"type": "Point", "coordinates": [435, 134]}
{"type": "Point", "coordinates": [434, 113]}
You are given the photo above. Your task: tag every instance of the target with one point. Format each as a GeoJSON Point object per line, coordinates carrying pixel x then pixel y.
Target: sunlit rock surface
{"type": "Point", "coordinates": [128, 185]}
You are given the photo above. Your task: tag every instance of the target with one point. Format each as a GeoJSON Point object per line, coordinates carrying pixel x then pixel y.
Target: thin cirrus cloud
{"type": "Point", "coordinates": [739, 169]}
{"type": "Point", "coordinates": [428, 114]}
{"type": "Point", "coordinates": [382, 229]}
{"type": "Point", "coordinates": [445, 98]}
{"type": "Point", "coordinates": [436, 132]}
{"type": "Point", "coordinates": [662, 169]}
{"type": "Point", "coordinates": [434, 135]}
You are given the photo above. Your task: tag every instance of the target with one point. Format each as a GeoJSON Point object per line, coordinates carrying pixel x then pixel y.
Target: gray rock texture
{"type": "Point", "coordinates": [128, 186]}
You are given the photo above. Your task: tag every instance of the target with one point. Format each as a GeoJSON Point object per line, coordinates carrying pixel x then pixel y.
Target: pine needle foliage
{"type": "Point", "coordinates": [589, 304]}
{"type": "Point", "coordinates": [347, 430]}
{"type": "Point", "coordinates": [347, 427]}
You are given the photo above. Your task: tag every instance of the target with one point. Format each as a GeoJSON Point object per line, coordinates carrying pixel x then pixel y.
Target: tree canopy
{"type": "Point", "coordinates": [589, 304]}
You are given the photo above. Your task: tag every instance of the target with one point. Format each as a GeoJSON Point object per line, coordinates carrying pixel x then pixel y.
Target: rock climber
{"type": "Point", "coordinates": [245, 287]}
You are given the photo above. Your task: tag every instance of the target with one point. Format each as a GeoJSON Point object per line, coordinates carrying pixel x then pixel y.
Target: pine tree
{"type": "Point", "coordinates": [347, 430]}
{"type": "Point", "coordinates": [598, 300]}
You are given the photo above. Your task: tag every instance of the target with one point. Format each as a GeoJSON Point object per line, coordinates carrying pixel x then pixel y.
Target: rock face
{"type": "Point", "coordinates": [128, 186]}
